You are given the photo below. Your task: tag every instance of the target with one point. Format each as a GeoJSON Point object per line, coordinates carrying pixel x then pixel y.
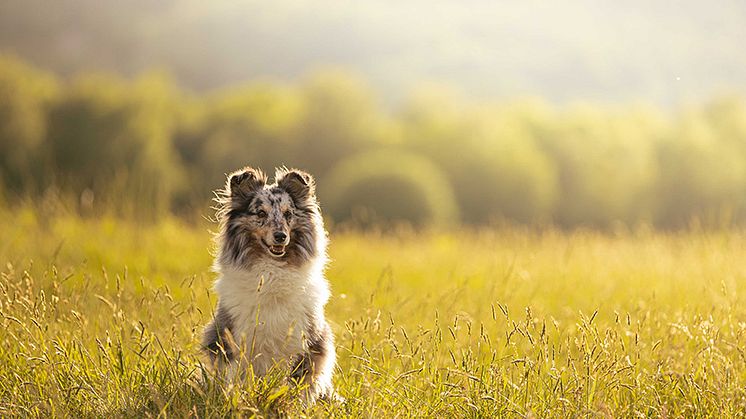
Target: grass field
{"type": "Point", "coordinates": [102, 317]}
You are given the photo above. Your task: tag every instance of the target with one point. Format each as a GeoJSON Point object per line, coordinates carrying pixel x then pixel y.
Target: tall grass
{"type": "Point", "coordinates": [101, 317]}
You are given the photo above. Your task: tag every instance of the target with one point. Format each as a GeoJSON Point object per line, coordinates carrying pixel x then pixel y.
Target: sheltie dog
{"type": "Point", "coordinates": [271, 253]}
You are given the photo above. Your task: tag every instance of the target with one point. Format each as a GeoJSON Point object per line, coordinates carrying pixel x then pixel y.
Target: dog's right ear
{"type": "Point", "coordinates": [246, 181]}
{"type": "Point", "coordinates": [299, 184]}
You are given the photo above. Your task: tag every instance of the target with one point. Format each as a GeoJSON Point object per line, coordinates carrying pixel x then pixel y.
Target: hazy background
{"type": "Point", "coordinates": [577, 113]}
{"type": "Point", "coordinates": [657, 51]}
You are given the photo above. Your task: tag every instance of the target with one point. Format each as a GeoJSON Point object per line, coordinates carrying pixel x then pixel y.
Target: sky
{"type": "Point", "coordinates": [661, 52]}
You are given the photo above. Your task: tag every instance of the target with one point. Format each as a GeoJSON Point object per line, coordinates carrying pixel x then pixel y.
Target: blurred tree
{"type": "Point", "coordinates": [25, 96]}
{"type": "Point", "coordinates": [253, 125]}
{"type": "Point", "coordinates": [510, 176]}
{"type": "Point", "coordinates": [703, 172]}
{"type": "Point", "coordinates": [114, 139]}
{"type": "Point", "coordinates": [494, 164]}
{"type": "Point", "coordinates": [388, 186]}
{"type": "Point", "coordinates": [606, 165]}
{"type": "Point", "coordinates": [340, 118]}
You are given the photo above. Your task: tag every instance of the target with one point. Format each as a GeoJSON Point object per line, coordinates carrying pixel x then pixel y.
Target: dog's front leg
{"type": "Point", "coordinates": [314, 367]}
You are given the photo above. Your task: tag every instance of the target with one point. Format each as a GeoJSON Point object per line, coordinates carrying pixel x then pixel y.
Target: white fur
{"type": "Point", "coordinates": [269, 303]}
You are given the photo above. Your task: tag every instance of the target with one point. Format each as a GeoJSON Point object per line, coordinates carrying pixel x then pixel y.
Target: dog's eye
{"type": "Point", "coordinates": [288, 214]}
{"type": "Point", "coordinates": [261, 214]}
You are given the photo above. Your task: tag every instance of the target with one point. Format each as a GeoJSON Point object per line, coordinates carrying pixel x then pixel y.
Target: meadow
{"type": "Point", "coordinates": [101, 317]}
{"type": "Point", "coordinates": [556, 230]}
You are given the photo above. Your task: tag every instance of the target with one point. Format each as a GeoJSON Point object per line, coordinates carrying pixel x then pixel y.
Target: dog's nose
{"type": "Point", "coordinates": [280, 237]}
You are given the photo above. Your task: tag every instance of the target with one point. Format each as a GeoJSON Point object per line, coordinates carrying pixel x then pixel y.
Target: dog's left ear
{"type": "Point", "coordinates": [300, 185]}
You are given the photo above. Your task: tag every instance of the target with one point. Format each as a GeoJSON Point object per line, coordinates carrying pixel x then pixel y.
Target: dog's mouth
{"type": "Point", "coordinates": [276, 250]}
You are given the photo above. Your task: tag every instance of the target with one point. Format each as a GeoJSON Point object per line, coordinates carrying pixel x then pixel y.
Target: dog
{"type": "Point", "coordinates": [271, 255]}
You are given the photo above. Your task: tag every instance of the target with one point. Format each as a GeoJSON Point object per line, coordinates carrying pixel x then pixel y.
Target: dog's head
{"type": "Point", "coordinates": [277, 220]}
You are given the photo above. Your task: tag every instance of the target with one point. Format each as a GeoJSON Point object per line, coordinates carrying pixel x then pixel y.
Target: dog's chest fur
{"type": "Point", "coordinates": [271, 306]}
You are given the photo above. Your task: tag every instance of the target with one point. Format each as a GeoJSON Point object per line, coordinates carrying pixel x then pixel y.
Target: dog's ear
{"type": "Point", "coordinates": [300, 185]}
{"type": "Point", "coordinates": [246, 181]}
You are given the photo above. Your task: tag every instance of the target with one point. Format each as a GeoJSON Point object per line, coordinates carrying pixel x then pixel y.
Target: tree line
{"type": "Point", "coordinates": [146, 147]}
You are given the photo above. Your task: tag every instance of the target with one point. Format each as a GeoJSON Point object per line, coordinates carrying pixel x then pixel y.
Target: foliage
{"type": "Point", "coordinates": [25, 95]}
{"type": "Point", "coordinates": [115, 138]}
{"type": "Point", "coordinates": [102, 317]}
{"type": "Point", "coordinates": [495, 165]}
{"type": "Point", "coordinates": [388, 186]}
{"type": "Point", "coordinates": [145, 147]}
